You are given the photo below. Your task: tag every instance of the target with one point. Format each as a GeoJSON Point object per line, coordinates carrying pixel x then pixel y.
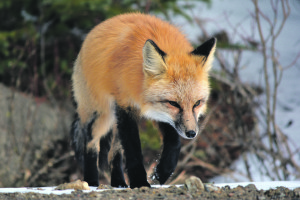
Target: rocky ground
{"type": "Point", "coordinates": [191, 190]}
{"type": "Point", "coordinates": [173, 192]}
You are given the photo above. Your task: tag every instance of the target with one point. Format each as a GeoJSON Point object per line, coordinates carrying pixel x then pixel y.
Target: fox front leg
{"type": "Point", "coordinates": [130, 141]}
{"type": "Point", "coordinates": [170, 154]}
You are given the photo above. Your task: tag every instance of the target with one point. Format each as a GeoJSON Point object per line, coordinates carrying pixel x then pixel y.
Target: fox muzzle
{"type": "Point", "coordinates": [190, 134]}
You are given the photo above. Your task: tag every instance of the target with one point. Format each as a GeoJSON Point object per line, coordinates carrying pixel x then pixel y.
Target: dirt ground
{"type": "Point", "coordinates": [173, 192]}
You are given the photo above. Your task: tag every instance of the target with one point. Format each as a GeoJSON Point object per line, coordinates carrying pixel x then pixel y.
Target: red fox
{"type": "Point", "coordinates": [131, 66]}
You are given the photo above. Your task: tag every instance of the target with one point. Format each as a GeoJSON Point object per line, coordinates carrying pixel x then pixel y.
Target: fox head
{"type": "Point", "coordinates": [176, 86]}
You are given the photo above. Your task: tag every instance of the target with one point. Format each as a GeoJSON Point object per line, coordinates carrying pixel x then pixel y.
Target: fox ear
{"type": "Point", "coordinates": [154, 63]}
{"type": "Point", "coordinates": [206, 51]}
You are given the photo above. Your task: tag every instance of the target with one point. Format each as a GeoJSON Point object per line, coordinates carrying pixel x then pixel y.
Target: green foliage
{"type": "Point", "coordinates": [201, 154]}
{"type": "Point", "coordinates": [173, 7]}
{"type": "Point", "coordinates": [150, 138]}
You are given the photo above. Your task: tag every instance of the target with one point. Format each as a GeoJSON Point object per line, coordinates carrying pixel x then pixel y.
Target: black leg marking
{"type": "Point", "coordinates": [117, 175]}
{"type": "Point", "coordinates": [90, 170]}
{"type": "Point", "coordinates": [105, 143]}
{"type": "Point", "coordinates": [130, 140]}
{"type": "Point", "coordinates": [81, 135]}
{"type": "Point", "coordinates": [78, 140]}
{"type": "Point", "coordinates": [170, 154]}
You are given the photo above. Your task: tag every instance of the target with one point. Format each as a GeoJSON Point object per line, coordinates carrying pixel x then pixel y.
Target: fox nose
{"type": "Point", "coordinates": [190, 134]}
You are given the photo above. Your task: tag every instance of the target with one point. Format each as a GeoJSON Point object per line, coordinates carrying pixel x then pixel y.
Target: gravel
{"type": "Point", "coordinates": [172, 192]}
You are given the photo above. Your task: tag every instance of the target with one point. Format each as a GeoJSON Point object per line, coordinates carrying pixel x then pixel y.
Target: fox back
{"type": "Point", "coordinates": [131, 66]}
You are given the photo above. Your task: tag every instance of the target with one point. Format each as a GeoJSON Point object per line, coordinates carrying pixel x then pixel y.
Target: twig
{"type": "Point", "coordinates": [49, 165]}
{"type": "Point", "coordinates": [178, 178]}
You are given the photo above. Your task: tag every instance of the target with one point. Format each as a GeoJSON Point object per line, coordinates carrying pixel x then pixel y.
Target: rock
{"type": "Point", "coordinates": [29, 129]}
{"type": "Point", "coordinates": [251, 187]}
{"type": "Point", "coordinates": [210, 187]}
{"type": "Point", "coordinates": [102, 186]}
{"type": "Point", "coordinates": [77, 185]}
{"type": "Point", "coordinates": [144, 189]}
{"type": "Point", "coordinates": [240, 190]}
{"type": "Point", "coordinates": [297, 192]}
{"type": "Point", "coordinates": [194, 184]}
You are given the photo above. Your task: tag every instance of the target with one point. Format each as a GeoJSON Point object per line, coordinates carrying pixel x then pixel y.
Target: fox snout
{"type": "Point", "coordinates": [187, 130]}
{"type": "Point", "coordinates": [190, 134]}
{"type": "Point", "coordinates": [189, 125]}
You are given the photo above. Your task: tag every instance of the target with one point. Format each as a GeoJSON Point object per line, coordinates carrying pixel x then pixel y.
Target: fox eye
{"type": "Point", "coordinates": [173, 103]}
{"type": "Point", "coordinates": [197, 103]}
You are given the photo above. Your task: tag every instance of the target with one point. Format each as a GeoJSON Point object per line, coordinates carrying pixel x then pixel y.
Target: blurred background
{"type": "Point", "coordinates": [252, 128]}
